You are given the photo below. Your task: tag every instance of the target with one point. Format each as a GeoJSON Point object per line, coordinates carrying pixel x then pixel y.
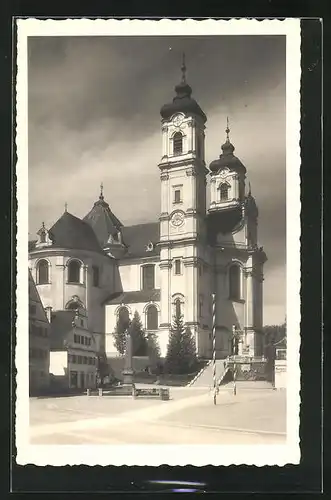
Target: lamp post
{"type": "Point", "coordinates": [214, 347]}
{"type": "Point", "coordinates": [128, 371]}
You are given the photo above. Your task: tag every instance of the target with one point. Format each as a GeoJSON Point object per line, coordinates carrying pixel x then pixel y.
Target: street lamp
{"type": "Point", "coordinates": [128, 370]}
{"type": "Point", "coordinates": [214, 347]}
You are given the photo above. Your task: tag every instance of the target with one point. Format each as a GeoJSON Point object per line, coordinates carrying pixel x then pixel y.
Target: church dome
{"type": "Point", "coordinates": [227, 158]}
{"type": "Point", "coordinates": [183, 101]}
{"type": "Point", "coordinates": [70, 232]}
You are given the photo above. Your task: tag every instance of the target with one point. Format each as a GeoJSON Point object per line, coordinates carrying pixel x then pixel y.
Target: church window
{"type": "Point", "coordinates": [177, 196]}
{"type": "Point", "coordinates": [178, 308]}
{"type": "Point", "coordinates": [177, 193]}
{"type": "Point", "coordinates": [43, 272]}
{"type": "Point", "coordinates": [73, 305]}
{"type": "Point", "coordinates": [74, 271]}
{"type": "Point", "coordinates": [95, 273]}
{"type": "Point", "coordinates": [43, 237]}
{"type": "Point", "coordinates": [178, 266]}
{"type": "Point", "coordinates": [224, 191]}
{"type": "Point", "coordinates": [152, 318]}
{"type": "Point", "coordinates": [234, 282]}
{"type": "Point", "coordinates": [148, 277]}
{"type": "Point", "coordinates": [124, 317]}
{"type": "Point", "coordinates": [178, 143]}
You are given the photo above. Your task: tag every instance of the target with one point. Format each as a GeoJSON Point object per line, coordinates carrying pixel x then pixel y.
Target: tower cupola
{"type": "Point", "coordinates": [227, 178]}
{"type": "Point", "coordinates": [227, 158]}
{"type": "Point", "coordinates": [183, 101]}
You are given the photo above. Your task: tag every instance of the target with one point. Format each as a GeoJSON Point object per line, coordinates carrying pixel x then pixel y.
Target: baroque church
{"type": "Point", "coordinates": [95, 268]}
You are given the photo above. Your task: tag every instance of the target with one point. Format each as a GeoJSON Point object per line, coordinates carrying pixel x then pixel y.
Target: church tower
{"type": "Point", "coordinates": [238, 261]}
{"type": "Point", "coordinates": [183, 208]}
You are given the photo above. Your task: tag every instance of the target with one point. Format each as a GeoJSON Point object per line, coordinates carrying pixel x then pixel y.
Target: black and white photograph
{"type": "Point", "coordinates": [158, 242]}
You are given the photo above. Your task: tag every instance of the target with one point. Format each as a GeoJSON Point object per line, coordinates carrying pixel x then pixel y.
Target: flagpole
{"type": "Point", "coordinates": [214, 346]}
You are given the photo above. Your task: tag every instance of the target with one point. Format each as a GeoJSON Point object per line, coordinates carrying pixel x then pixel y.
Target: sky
{"type": "Point", "coordinates": [93, 116]}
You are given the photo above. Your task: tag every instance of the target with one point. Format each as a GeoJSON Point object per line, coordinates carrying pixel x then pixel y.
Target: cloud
{"type": "Point", "coordinates": [94, 116]}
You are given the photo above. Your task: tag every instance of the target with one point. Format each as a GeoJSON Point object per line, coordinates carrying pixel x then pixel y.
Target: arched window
{"type": "Point", "coordinates": [43, 272]}
{"type": "Point", "coordinates": [178, 308]}
{"type": "Point", "coordinates": [123, 317]}
{"type": "Point", "coordinates": [224, 191]}
{"type": "Point", "coordinates": [178, 143]}
{"type": "Point", "coordinates": [73, 306]}
{"type": "Point", "coordinates": [234, 282]}
{"type": "Point", "coordinates": [74, 271]}
{"type": "Point", "coordinates": [152, 318]}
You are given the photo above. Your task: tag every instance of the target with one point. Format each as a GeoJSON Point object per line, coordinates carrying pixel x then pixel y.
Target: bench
{"type": "Point", "coordinates": [158, 393]}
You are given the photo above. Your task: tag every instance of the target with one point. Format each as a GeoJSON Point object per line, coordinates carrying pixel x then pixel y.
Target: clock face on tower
{"type": "Point", "coordinates": [177, 219]}
{"type": "Point", "coordinates": [177, 121]}
{"type": "Point", "coordinates": [224, 172]}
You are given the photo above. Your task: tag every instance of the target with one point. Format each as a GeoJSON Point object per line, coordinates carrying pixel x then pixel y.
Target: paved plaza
{"type": "Point", "coordinates": [255, 415]}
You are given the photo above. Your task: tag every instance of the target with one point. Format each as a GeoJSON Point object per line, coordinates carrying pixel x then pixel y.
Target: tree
{"type": "Point", "coordinates": [139, 341]}
{"type": "Point", "coordinates": [275, 333]}
{"type": "Point", "coordinates": [189, 351]}
{"type": "Point", "coordinates": [174, 349]}
{"type": "Point", "coordinates": [275, 337]}
{"type": "Point", "coordinates": [181, 351]}
{"type": "Point", "coordinates": [122, 324]}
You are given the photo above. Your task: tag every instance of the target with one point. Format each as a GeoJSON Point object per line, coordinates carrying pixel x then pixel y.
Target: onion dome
{"type": "Point", "coordinates": [227, 158]}
{"type": "Point", "coordinates": [182, 102]}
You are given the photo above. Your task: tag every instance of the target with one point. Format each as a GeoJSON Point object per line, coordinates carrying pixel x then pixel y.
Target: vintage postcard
{"type": "Point", "coordinates": [158, 242]}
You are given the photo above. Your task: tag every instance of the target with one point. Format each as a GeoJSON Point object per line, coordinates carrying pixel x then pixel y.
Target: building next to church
{"type": "Point", "coordinates": [174, 263]}
{"type": "Point", "coordinates": [39, 342]}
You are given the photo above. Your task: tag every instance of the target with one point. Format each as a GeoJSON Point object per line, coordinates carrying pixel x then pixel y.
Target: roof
{"type": "Point", "coordinates": [182, 102]}
{"type": "Point", "coordinates": [222, 221]}
{"type": "Point", "coordinates": [32, 245]}
{"type": "Point", "coordinates": [34, 298]}
{"type": "Point", "coordinates": [71, 232]}
{"type": "Point", "coordinates": [103, 222]}
{"type": "Point", "coordinates": [61, 325]}
{"type": "Point", "coordinates": [137, 237]}
{"type": "Point", "coordinates": [227, 159]}
{"type": "Point", "coordinates": [133, 297]}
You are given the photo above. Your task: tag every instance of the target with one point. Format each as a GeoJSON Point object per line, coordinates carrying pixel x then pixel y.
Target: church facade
{"type": "Point", "coordinates": [175, 263]}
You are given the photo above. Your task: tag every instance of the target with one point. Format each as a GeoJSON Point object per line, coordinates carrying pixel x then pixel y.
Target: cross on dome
{"type": "Point", "coordinates": [183, 68]}
{"type": "Point", "coordinates": [227, 130]}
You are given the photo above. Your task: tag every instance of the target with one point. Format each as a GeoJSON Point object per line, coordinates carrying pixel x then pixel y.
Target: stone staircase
{"type": "Point", "coordinates": [205, 377]}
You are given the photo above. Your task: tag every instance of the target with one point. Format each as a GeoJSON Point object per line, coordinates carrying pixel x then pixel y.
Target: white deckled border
{"type": "Point", "coordinates": [198, 455]}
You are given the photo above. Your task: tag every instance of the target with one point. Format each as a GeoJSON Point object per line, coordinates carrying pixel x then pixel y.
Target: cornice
{"type": "Point", "coordinates": [191, 262]}
{"type": "Point", "coordinates": [165, 264]}
{"type": "Point", "coordinates": [164, 217]}
{"type": "Point", "coordinates": [196, 164]}
{"type": "Point", "coordinates": [178, 242]}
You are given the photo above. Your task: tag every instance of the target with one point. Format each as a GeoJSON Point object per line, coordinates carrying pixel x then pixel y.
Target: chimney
{"type": "Point", "coordinates": [48, 311]}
